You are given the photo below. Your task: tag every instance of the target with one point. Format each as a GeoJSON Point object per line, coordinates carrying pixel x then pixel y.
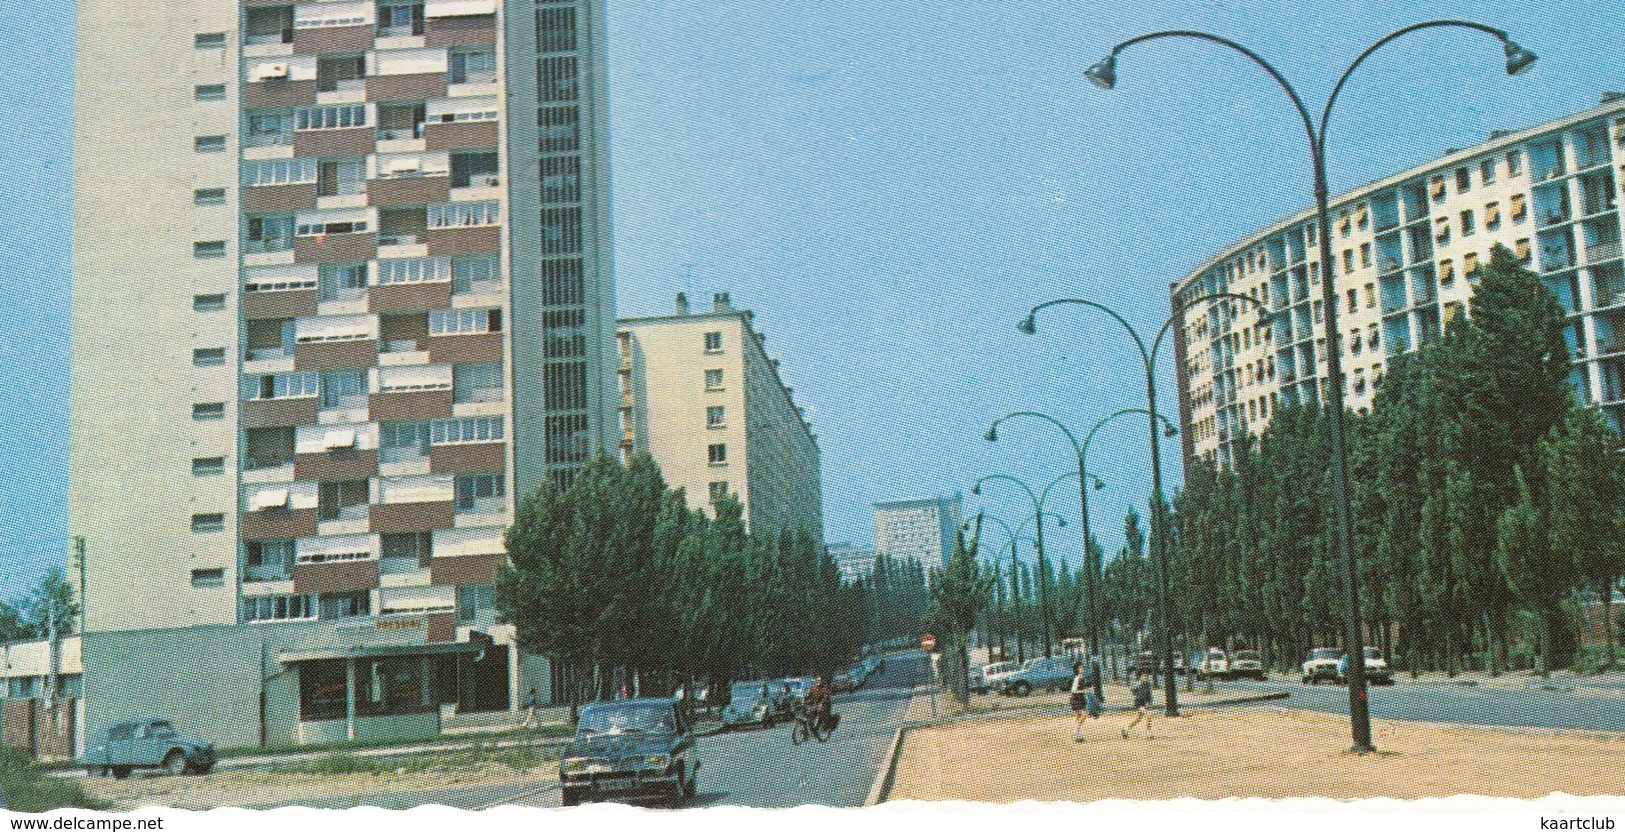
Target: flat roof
{"type": "Point", "coordinates": [362, 651]}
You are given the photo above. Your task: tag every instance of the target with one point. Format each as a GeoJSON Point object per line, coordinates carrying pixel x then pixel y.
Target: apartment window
{"type": "Point", "coordinates": [1519, 208]}
{"type": "Point", "coordinates": [208, 411]}
{"type": "Point", "coordinates": [1514, 162]}
{"type": "Point", "coordinates": [565, 386]}
{"type": "Point", "coordinates": [267, 447]}
{"type": "Point", "coordinates": [209, 40]}
{"type": "Point", "coordinates": [1467, 225]}
{"type": "Point", "coordinates": [477, 492]}
{"type": "Point", "coordinates": [472, 429]}
{"type": "Point", "coordinates": [1441, 230]}
{"type": "Point", "coordinates": [713, 342]}
{"type": "Point", "coordinates": [715, 416]}
{"type": "Point", "coordinates": [209, 144]}
{"type": "Point", "coordinates": [562, 283]}
{"type": "Point", "coordinates": [477, 170]}
{"type": "Point", "coordinates": [1355, 343]}
{"type": "Point", "coordinates": [464, 321]}
{"type": "Point", "coordinates": [1486, 171]}
{"type": "Point", "coordinates": [320, 229]}
{"type": "Point", "coordinates": [285, 608]}
{"type": "Point", "coordinates": [472, 66]}
{"type": "Point", "coordinates": [268, 25]}
{"type": "Point", "coordinates": [330, 118]}
{"type": "Point", "coordinates": [471, 598]}
{"type": "Point", "coordinates": [556, 30]}
{"type": "Point", "coordinates": [208, 303]}
{"type": "Point", "coordinates": [209, 249]}
{"type": "Point", "coordinates": [416, 546]}
{"type": "Point", "coordinates": [268, 555]}
{"type": "Point", "coordinates": [215, 522]}
{"type": "Point", "coordinates": [400, 20]}
{"type": "Point", "coordinates": [477, 382]}
{"type": "Point", "coordinates": [1372, 339]}
{"type": "Point", "coordinates": [1348, 260]}
{"type": "Point", "coordinates": [283, 386]}
{"type": "Point", "coordinates": [208, 466]}
{"type": "Point", "coordinates": [209, 357]}
{"type": "Point", "coordinates": [464, 214]}
{"type": "Point", "coordinates": [1436, 188]}
{"type": "Point", "coordinates": [1365, 255]}
{"type": "Point", "coordinates": [561, 179]}
{"type": "Point", "coordinates": [567, 441]}
{"type": "Point", "coordinates": [204, 578]}
{"type": "Point", "coordinates": [209, 196]}
{"type": "Point", "coordinates": [713, 379]}
{"type": "Point", "coordinates": [269, 234]}
{"type": "Point", "coordinates": [717, 454]}
{"type": "Point", "coordinates": [332, 498]}
{"type": "Point", "coordinates": [1353, 301]}
{"type": "Point", "coordinates": [269, 130]}
{"type": "Point", "coordinates": [1370, 295]}
{"type": "Point", "coordinates": [344, 388]}
{"type": "Point", "coordinates": [209, 92]}
{"type": "Point", "coordinates": [561, 230]}
{"type": "Point", "coordinates": [1464, 182]}
{"type": "Point", "coordinates": [1309, 234]}
{"type": "Point", "coordinates": [719, 490]}
{"type": "Point", "coordinates": [1492, 216]}
{"type": "Point", "coordinates": [556, 79]}
{"type": "Point", "coordinates": [559, 129]}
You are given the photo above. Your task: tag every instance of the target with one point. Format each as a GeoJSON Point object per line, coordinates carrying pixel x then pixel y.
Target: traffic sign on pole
{"type": "Point", "coordinates": [928, 642]}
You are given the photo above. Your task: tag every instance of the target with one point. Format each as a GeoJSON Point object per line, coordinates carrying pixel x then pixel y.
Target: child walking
{"type": "Point", "coordinates": [1142, 705]}
{"type": "Point", "coordinates": [1085, 705]}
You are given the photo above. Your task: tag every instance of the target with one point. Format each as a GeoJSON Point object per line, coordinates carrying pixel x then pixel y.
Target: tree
{"type": "Point", "coordinates": [1586, 487]}
{"type": "Point", "coordinates": [1532, 572]}
{"type": "Point", "coordinates": [959, 592]}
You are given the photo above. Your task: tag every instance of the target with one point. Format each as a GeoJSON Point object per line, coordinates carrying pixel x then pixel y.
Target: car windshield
{"type": "Point", "coordinates": [1247, 655]}
{"type": "Point", "coordinates": [161, 729]}
{"type": "Point", "coordinates": [999, 667]}
{"type": "Point", "coordinates": [627, 718]}
{"type": "Point", "coordinates": [1325, 653]}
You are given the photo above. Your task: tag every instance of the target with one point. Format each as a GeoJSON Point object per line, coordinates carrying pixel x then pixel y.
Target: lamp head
{"type": "Point", "coordinates": [976, 489]}
{"type": "Point", "coordinates": [992, 434]}
{"type": "Point", "coordinates": [1027, 326]}
{"type": "Point", "coordinates": [1099, 483]}
{"type": "Point", "coordinates": [1060, 521]}
{"type": "Point", "coordinates": [1170, 431]}
{"type": "Point", "coordinates": [1104, 73]}
{"type": "Point", "coordinates": [1519, 59]}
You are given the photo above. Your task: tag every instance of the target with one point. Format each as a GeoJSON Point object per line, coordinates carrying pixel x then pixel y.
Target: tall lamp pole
{"type": "Point", "coordinates": [1015, 536]}
{"type": "Point", "coordinates": [1086, 480]}
{"type": "Point", "coordinates": [1037, 499]}
{"type": "Point", "coordinates": [1518, 61]}
{"type": "Point", "coordinates": [1159, 553]}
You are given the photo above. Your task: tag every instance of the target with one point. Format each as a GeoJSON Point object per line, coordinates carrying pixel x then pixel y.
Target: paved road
{"type": "Point", "coordinates": [1428, 702]}
{"type": "Point", "coordinates": [751, 767]}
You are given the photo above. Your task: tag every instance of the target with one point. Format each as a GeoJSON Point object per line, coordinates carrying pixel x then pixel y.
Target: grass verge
{"type": "Point", "coordinates": [25, 788]}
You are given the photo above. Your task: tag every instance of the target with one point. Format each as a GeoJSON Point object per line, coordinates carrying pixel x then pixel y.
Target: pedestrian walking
{"type": "Point", "coordinates": [1142, 705]}
{"type": "Point", "coordinates": [531, 702]}
{"type": "Point", "coordinates": [1085, 705]}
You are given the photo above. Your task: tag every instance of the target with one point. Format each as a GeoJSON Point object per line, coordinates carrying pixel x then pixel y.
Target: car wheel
{"type": "Point", "coordinates": [175, 763]}
{"type": "Point", "coordinates": [1021, 689]}
{"type": "Point", "coordinates": [121, 772]}
{"type": "Point", "coordinates": [570, 798]}
{"type": "Point", "coordinates": [203, 770]}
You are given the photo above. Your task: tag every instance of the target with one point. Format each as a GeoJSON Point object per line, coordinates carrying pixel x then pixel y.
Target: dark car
{"type": "Point", "coordinates": [147, 743]}
{"type": "Point", "coordinates": [629, 750]}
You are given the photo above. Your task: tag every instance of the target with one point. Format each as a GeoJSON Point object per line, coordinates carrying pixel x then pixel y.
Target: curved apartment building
{"type": "Point", "coordinates": [1407, 251]}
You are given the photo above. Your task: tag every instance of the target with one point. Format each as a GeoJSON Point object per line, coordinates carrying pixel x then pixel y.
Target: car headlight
{"type": "Point", "coordinates": [656, 760]}
{"type": "Point", "coordinates": [575, 764]}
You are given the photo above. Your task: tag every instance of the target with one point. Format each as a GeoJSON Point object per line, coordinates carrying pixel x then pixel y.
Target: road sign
{"type": "Point", "coordinates": [928, 642]}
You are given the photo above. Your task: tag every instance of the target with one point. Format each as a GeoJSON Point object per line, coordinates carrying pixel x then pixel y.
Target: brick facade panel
{"type": "Point", "coordinates": [411, 406]}
{"type": "Point", "coordinates": [335, 355]}
{"type": "Point", "coordinates": [280, 413]}
{"type": "Point", "coordinates": [465, 569]}
{"type": "Point", "coordinates": [341, 576]}
{"type": "Point", "coordinates": [411, 517]}
{"type": "Point", "coordinates": [469, 458]}
{"type": "Point", "coordinates": [278, 304]}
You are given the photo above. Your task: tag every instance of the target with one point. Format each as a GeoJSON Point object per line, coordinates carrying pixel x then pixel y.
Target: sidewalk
{"type": "Point", "coordinates": [1263, 751]}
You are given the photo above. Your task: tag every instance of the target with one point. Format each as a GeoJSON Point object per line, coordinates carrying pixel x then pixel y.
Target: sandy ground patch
{"type": "Point", "coordinates": [1256, 751]}
{"type": "Point", "coordinates": [253, 788]}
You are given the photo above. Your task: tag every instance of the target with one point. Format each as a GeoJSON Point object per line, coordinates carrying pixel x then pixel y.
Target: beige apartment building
{"type": "Point", "coordinates": [922, 530]}
{"type": "Point", "coordinates": [1408, 248]}
{"type": "Point", "coordinates": [700, 395]}
{"type": "Point", "coordinates": [342, 290]}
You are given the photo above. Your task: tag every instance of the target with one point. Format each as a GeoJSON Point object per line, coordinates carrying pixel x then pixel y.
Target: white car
{"type": "Point", "coordinates": [1377, 671]}
{"type": "Point", "coordinates": [1215, 664]}
{"type": "Point", "coordinates": [995, 672]}
{"type": "Point", "coordinates": [1321, 664]}
{"type": "Point", "coordinates": [1247, 664]}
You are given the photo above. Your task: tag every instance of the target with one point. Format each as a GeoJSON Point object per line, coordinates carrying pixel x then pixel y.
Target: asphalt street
{"type": "Point", "coordinates": [748, 767]}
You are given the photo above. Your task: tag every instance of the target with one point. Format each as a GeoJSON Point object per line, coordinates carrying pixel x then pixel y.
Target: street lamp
{"type": "Point", "coordinates": [1037, 500]}
{"type": "Point", "coordinates": [1015, 536]}
{"type": "Point", "coordinates": [1092, 566]}
{"type": "Point", "coordinates": [1518, 61]}
{"type": "Point", "coordinates": [1148, 357]}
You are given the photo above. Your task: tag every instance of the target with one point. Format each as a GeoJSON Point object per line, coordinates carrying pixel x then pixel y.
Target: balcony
{"type": "Point", "coordinates": [409, 405]}
{"type": "Point", "coordinates": [267, 572]}
{"type": "Point", "coordinates": [335, 248]}
{"type": "Point", "coordinates": [352, 464]}
{"type": "Point", "coordinates": [1599, 252]}
{"type": "Point", "coordinates": [320, 40]}
{"type": "Point", "coordinates": [337, 576]}
{"type": "Point", "coordinates": [397, 191]}
{"type": "Point", "coordinates": [468, 458]}
{"type": "Point", "coordinates": [349, 354]}
{"type": "Point", "coordinates": [470, 30]}
{"type": "Point", "coordinates": [414, 87]}
{"type": "Point", "coordinates": [413, 517]}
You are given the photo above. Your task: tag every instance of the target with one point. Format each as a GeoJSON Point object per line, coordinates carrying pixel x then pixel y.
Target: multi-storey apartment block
{"type": "Point", "coordinates": [1407, 249]}
{"type": "Point", "coordinates": [701, 396]}
{"type": "Point", "coordinates": [342, 291]}
{"type": "Point", "coordinates": [920, 529]}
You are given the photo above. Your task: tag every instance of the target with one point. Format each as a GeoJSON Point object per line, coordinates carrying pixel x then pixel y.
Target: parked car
{"type": "Point", "coordinates": [1214, 664]}
{"type": "Point", "coordinates": [1054, 673]}
{"type": "Point", "coordinates": [1144, 662]}
{"type": "Point", "coordinates": [1321, 664]}
{"type": "Point", "coordinates": [993, 673]}
{"type": "Point", "coordinates": [840, 683]}
{"type": "Point", "coordinates": [1377, 671]}
{"type": "Point", "coordinates": [751, 703]}
{"type": "Point", "coordinates": [631, 749]}
{"type": "Point", "coordinates": [1247, 664]}
{"type": "Point", "coordinates": [147, 743]}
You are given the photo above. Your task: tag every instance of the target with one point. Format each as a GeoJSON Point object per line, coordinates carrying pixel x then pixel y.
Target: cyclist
{"type": "Point", "coordinates": [817, 701]}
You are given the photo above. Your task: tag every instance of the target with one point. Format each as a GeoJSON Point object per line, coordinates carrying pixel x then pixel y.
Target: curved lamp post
{"type": "Point", "coordinates": [1518, 61]}
{"type": "Point", "coordinates": [1015, 536]}
{"type": "Point", "coordinates": [1092, 565]}
{"type": "Point", "coordinates": [1148, 358]}
{"type": "Point", "coordinates": [1037, 500]}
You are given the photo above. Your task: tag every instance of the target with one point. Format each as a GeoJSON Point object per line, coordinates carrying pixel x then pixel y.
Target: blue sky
{"type": "Point", "coordinates": [890, 184]}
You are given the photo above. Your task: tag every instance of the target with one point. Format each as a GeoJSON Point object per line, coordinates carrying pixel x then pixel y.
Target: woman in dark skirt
{"type": "Point", "coordinates": [1084, 703]}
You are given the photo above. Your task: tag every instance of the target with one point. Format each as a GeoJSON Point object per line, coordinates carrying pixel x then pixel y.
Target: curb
{"type": "Point", "coordinates": [888, 771]}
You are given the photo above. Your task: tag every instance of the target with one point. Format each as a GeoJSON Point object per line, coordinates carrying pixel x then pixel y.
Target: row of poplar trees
{"type": "Point", "coordinates": [1486, 496]}
{"type": "Point", "coordinates": [616, 579]}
